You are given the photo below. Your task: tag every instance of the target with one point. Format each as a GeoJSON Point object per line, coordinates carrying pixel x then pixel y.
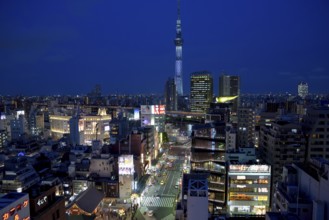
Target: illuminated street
{"type": "Point", "coordinates": [158, 199]}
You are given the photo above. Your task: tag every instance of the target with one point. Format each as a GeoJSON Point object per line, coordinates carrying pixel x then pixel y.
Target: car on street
{"type": "Point", "coordinates": [162, 182]}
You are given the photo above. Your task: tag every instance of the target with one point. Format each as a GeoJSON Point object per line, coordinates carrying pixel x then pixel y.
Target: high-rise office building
{"type": "Point", "coordinates": [230, 86]}
{"type": "Point", "coordinates": [18, 127]}
{"type": "Point", "coordinates": [246, 127]}
{"type": "Point", "coordinates": [302, 90]}
{"type": "Point", "coordinates": [171, 95]}
{"type": "Point", "coordinates": [3, 138]}
{"type": "Point", "coordinates": [179, 46]}
{"type": "Point", "coordinates": [201, 91]}
{"type": "Point", "coordinates": [281, 142]}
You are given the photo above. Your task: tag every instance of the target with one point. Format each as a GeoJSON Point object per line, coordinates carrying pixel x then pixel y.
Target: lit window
{"type": "Point", "coordinates": [12, 211]}
{"type": "Point", "coordinates": [5, 216]}
{"type": "Point", "coordinates": [25, 203]}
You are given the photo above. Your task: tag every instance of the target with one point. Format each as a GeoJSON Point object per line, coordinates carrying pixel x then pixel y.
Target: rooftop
{"type": "Point", "coordinates": [10, 198]}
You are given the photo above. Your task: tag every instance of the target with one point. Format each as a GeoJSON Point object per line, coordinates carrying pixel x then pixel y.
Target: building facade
{"type": "Point", "coordinates": [153, 115]}
{"type": "Point", "coordinates": [281, 143]}
{"type": "Point", "coordinates": [84, 128]}
{"type": "Point", "coordinates": [171, 95]}
{"type": "Point", "coordinates": [304, 190]}
{"type": "Point", "coordinates": [201, 91]}
{"type": "Point", "coordinates": [15, 206]}
{"type": "Point", "coordinates": [302, 90]}
{"type": "Point", "coordinates": [19, 175]}
{"type": "Point", "coordinates": [197, 200]}
{"type": "Point", "coordinates": [316, 126]}
{"type": "Point", "coordinates": [249, 189]}
{"type": "Point", "coordinates": [208, 157]}
{"type": "Point", "coordinates": [246, 127]}
{"type": "Point", "coordinates": [230, 86]}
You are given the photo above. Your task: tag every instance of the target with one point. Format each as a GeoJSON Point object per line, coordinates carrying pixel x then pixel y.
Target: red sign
{"type": "Point", "coordinates": [11, 212]}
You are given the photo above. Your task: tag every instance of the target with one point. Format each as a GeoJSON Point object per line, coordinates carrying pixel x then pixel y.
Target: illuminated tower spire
{"type": "Point", "coordinates": [179, 46]}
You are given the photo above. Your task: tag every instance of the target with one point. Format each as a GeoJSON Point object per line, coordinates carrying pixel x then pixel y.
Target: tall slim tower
{"type": "Point", "coordinates": [179, 46]}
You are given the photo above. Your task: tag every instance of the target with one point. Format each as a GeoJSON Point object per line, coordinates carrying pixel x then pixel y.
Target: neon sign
{"type": "Point", "coordinates": [16, 209]}
{"type": "Point", "coordinates": [42, 201]}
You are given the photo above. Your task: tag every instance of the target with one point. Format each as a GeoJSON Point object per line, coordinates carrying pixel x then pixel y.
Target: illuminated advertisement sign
{"type": "Point", "coordinates": [2, 116]}
{"type": "Point", "coordinates": [17, 211]}
{"type": "Point", "coordinates": [107, 126]}
{"type": "Point", "coordinates": [239, 168]}
{"type": "Point", "coordinates": [136, 114]}
{"type": "Point", "coordinates": [153, 109]}
{"type": "Point", "coordinates": [126, 165]}
{"type": "Point", "coordinates": [147, 120]}
{"type": "Point", "coordinates": [81, 125]}
{"type": "Point", "coordinates": [20, 112]}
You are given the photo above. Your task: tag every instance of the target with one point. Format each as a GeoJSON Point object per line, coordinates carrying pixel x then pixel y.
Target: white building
{"type": "Point", "coordinates": [302, 89]}
{"type": "Point", "coordinates": [249, 189]}
{"type": "Point", "coordinates": [126, 176]}
{"type": "Point", "coordinates": [103, 165]}
{"type": "Point", "coordinates": [84, 128]}
{"type": "Point", "coordinates": [304, 190]}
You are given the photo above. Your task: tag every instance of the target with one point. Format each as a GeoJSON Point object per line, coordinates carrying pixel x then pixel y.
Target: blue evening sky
{"type": "Point", "coordinates": [66, 47]}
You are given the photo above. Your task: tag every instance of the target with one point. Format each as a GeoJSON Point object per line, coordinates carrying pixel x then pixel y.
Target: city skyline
{"type": "Point", "coordinates": [52, 48]}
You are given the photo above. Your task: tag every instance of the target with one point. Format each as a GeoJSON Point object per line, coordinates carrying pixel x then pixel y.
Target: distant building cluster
{"type": "Point", "coordinates": [171, 156]}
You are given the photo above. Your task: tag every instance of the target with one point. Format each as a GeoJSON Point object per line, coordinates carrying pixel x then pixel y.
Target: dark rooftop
{"type": "Point", "coordinates": [9, 198]}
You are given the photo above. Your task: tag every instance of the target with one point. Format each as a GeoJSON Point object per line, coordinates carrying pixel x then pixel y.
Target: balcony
{"type": "Point", "coordinates": [216, 200]}
{"type": "Point", "coordinates": [207, 156]}
{"type": "Point", "coordinates": [216, 187]}
{"type": "Point", "coordinates": [209, 168]}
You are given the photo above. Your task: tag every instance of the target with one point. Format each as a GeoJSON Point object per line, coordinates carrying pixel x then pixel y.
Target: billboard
{"type": "Point", "coordinates": [126, 165]}
{"type": "Point", "coordinates": [153, 109]}
{"type": "Point", "coordinates": [147, 120]}
{"type": "Point", "coordinates": [242, 168]}
{"type": "Point", "coordinates": [20, 112]}
{"type": "Point", "coordinates": [136, 114]}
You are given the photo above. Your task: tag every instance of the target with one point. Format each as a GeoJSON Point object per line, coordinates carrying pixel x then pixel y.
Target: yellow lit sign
{"type": "Point", "coordinates": [224, 99]}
